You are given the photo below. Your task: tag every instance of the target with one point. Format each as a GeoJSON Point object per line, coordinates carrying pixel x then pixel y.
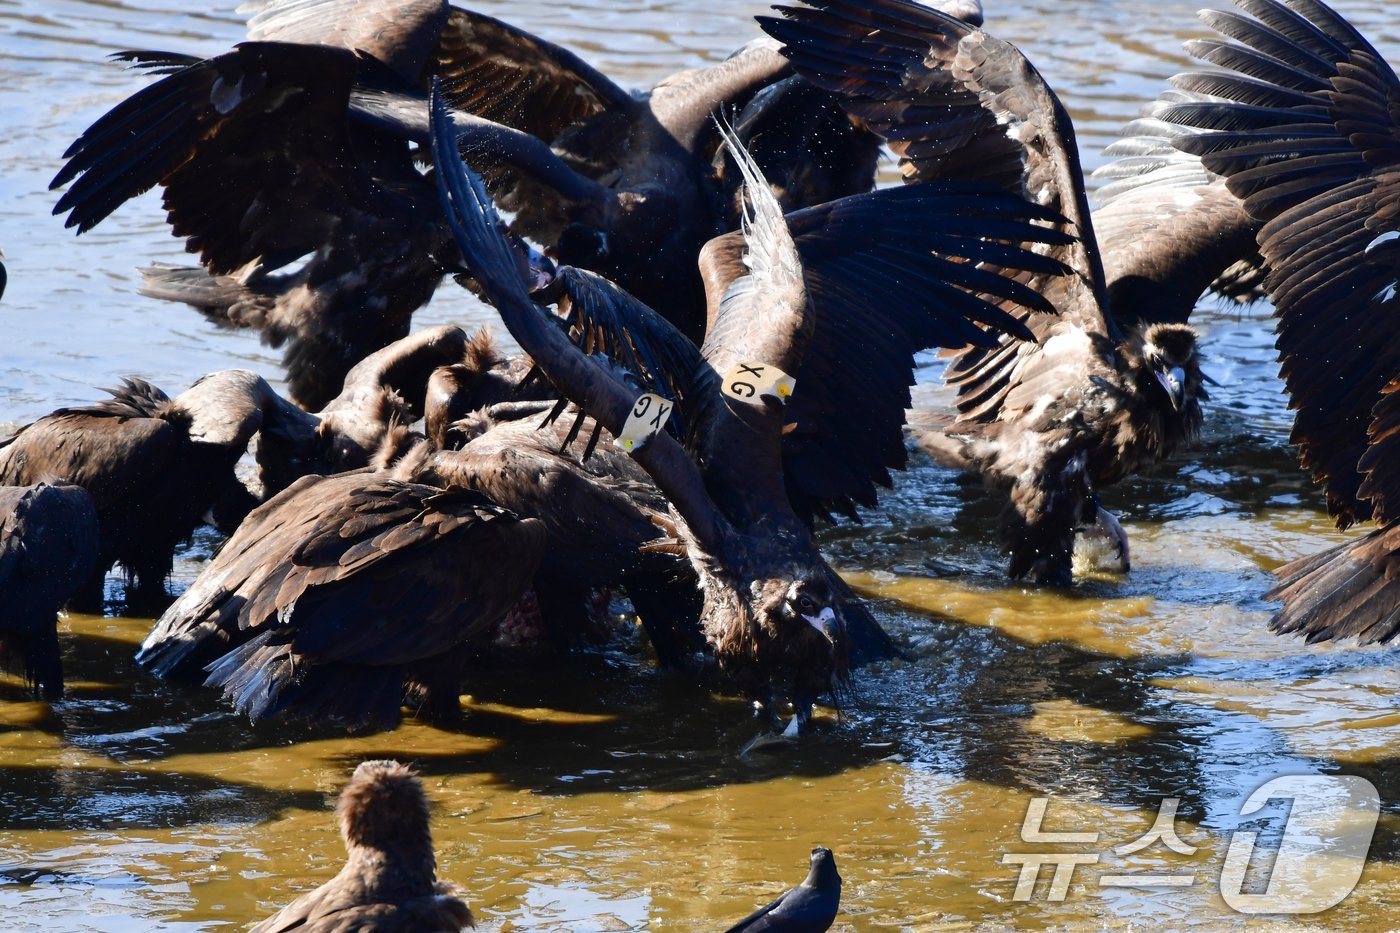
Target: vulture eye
{"type": "Point", "coordinates": [806, 603]}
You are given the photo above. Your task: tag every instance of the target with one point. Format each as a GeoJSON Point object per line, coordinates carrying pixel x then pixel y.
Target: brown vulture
{"type": "Point", "coordinates": [345, 596]}
{"type": "Point", "coordinates": [155, 466]}
{"type": "Point", "coordinates": [600, 512]}
{"type": "Point", "coordinates": [1089, 400]}
{"type": "Point", "coordinates": [838, 297]}
{"type": "Point", "coordinates": [1305, 124]}
{"type": "Point", "coordinates": [290, 168]}
{"type": "Point", "coordinates": [389, 882]}
{"type": "Point", "coordinates": [48, 549]}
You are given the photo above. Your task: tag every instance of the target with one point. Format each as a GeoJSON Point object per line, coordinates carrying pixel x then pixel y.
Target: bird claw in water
{"type": "Point", "coordinates": [1103, 545]}
{"type": "Point", "coordinates": [768, 743]}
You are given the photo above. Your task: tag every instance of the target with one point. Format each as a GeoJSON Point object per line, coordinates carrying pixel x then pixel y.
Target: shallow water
{"type": "Point", "coordinates": [587, 793]}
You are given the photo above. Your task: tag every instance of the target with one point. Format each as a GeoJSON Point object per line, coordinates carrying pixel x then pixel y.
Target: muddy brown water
{"type": "Point", "coordinates": [588, 793]}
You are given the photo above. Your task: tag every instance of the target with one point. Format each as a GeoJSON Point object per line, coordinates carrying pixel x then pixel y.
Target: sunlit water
{"type": "Point", "coordinates": [587, 793]}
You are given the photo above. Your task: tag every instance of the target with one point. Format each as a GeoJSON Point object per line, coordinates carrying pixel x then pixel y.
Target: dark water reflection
{"type": "Point", "coordinates": [590, 793]}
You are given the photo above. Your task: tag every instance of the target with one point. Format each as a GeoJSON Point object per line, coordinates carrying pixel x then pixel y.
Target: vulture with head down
{"type": "Point", "coordinates": [1306, 127]}
{"type": "Point", "coordinates": [810, 341]}
{"type": "Point", "coordinates": [48, 549]}
{"type": "Point", "coordinates": [1104, 389]}
{"type": "Point", "coordinates": [156, 466]}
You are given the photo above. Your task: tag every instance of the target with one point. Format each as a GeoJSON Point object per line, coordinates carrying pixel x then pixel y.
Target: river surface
{"type": "Point", "coordinates": [587, 793]}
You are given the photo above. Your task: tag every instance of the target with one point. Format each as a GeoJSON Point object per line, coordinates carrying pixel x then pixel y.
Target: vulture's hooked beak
{"type": "Point", "coordinates": [1174, 381]}
{"type": "Point", "coordinates": [825, 622]}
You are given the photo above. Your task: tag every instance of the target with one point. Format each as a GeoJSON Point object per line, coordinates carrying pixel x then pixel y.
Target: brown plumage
{"type": "Point", "coordinates": [774, 612]}
{"type": "Point", "coordinates": [389, 883]}
{"type": "Point", "coordinates": [1169, 228]}
{"type": "Point", "coordinates": [1306, 131]}
{"type": "Point", "coordinates": [323, 235]}
{"type": "Point", "coordinates": [48, 549]}
{"type": "Point", "coordinates": [600, 512]}
{"type": "Point", "coordinates": [153, 465]}
{"type": "Point", "coordinates": [253, 202]}
{"type": "Point", "coordinates": [346, 595]}
{"type": "Point", "coordinates": [1087, 401]}
{"type": "Point", "coordinates": [483, 379]}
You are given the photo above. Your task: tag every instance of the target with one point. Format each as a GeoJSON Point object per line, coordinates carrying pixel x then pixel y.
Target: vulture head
{"type": "Point", "coordinates": [1170, 383]}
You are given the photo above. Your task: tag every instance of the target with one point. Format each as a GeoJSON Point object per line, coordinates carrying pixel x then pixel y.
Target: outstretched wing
{"type": "Point", "coordinates": [1307, 130]}
{"type": "Point", "coordinates": [584, 379]}
{"type": "Point", "coordinates": [403, 34]}
{"type": "Point", "coordinates": [604, 318]}
{"type": "Point", "coordinates": [1311, 141]}
{"type": "Point", "coordinates": [887, 274]}
{"type": "Point", "coordinates": [1168, 227]}
{"type": "Point", "coordinates": [238, 190]}
{"type": "Point", "coordinates": [956, 103]}
{"type": "Point", "coordinates": [494, 70]}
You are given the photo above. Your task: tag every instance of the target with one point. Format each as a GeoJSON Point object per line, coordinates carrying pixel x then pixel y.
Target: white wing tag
{"type": "Point", "coordinates": [649, 416]}
{"type": "Point", "coordinates": [748, 381]}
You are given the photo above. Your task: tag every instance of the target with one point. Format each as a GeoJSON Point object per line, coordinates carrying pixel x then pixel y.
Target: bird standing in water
{"type": "Point", "coordinates": [48, 549]}
{"type": "Point", "coordinates": [808, 908]}
{"type": "Point", "coordinates": [389, 882]}
{"type": "Point", "coordinates": [1089, 400]}
{"type": "Point", "coordinates": [155, 466]}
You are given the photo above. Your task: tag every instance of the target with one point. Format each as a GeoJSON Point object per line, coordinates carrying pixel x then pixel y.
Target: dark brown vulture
{"type": "Point", "coordinates": [876, 276]}
{"type": "Point", "coordinates": [155, 466]}
{"type": "Point", "coordinates": [1307, 130]}
{"type": "Point", "coordinates": [345, 596]}
{"type": "Point", "coordinates": [389, 883]}
{"type": "Point", "coordinates": [1089, 401]}
{"type": "Point", "coordinates": [600, 512]}
{"type": "Point", "coordinates": [438, 375]}
{"type": "Point", "coordinates": [290, 169]}
{"type": "Point", "coordinates": [48, 549]}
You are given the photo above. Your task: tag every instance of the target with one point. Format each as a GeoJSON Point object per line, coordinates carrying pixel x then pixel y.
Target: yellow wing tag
{"type": "Point", "coordinates": [649, 416]}
{"type": "Point", "coordinates": [748, 381]}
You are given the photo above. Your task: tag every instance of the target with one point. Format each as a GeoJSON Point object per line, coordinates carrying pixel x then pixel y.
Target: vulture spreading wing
{"type": "Point", "coordinates": [774, 612]}
{"type": "Point", "coordinates": [1086, 402]}
{"type": "Point", "coordinates": [1307, 130]}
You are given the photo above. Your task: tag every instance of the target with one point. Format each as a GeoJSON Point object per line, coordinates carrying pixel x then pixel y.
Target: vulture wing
{"type": "Point", "coordinates": [1169, 228]}
{"type": "Point", "coordinates": [956, 103]}
{"type": "Point", "coordinates": [327, 596]}
{"type": "Point", "coordinates": [1308, 134]}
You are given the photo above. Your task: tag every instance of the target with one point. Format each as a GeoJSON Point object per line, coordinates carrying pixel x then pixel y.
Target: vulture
{"type": "Point", "coordinates": [48, 549]}
{"type": "Point", "coordinates": [808, 908]}
{"type": "Point", "coordinates": [324, 234]}
{"type": "Point", "coordinates": [1101, 392]}
{"type": "Point", "coordinates": [345, 596]}
{"type": "Point", "coordinates": [600, 512]}
{"type": "Point", "coordinates": [1302, 122]}
{"type": "Point", "coordinates": [389, 883]}
{"type": "Point", "coordinates": [155, 466]}
{"type": "Point", "coordinates": [438, 374]}
{"type": "Point", "coordinates": [813, 323]}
